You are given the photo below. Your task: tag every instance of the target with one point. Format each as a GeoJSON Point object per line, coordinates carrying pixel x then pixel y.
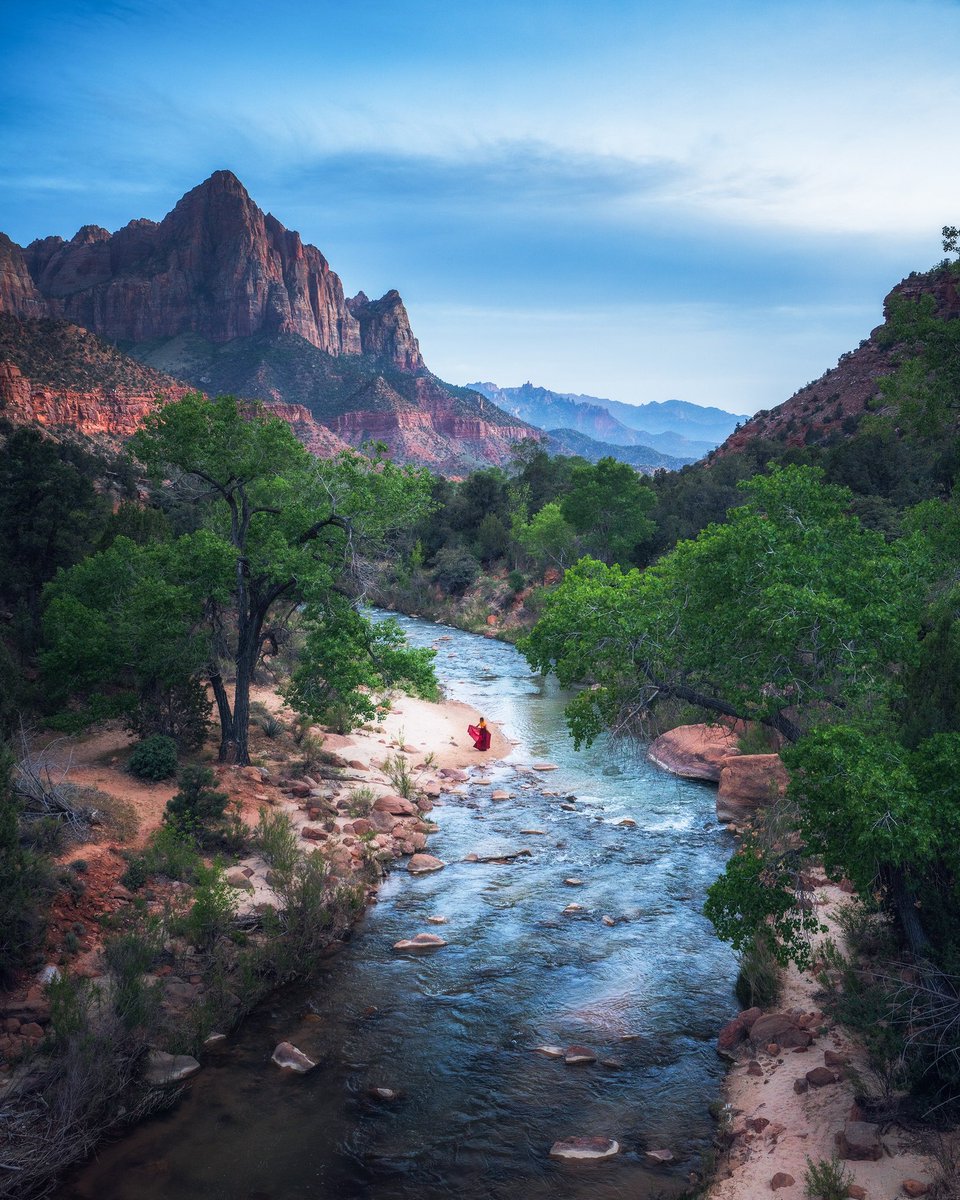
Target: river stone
{"type": "Point", "coordinates": [574, 908]}
{"type": "Point", "coordinates": [579, 1054]}
{"type": "Point", "coordinates": [544, 766]}
{"type": "Point", "coordinates": [423, 941]}
{"type": "Point", "coordinates": [534, 832]}
{"type": "Point", "coordinates": [289, 1058]}
{"type": "Point", "coordinates": [573, 882]}
{"type": "Point", "coordinates": [584, 1148]}
{"type": "Point", "coordinates": [438, 920]}
{"type": "Point", "coordinates": [500, 795]}
{"type": "Point", "coordinates": [423, 864]}
{"type": "Point", "coordinates": [550, 1051]}
{"type": "Point", "coordinates": [608, 920]}
{"type": "Point", "coordinates": [164, 1069]}
{"type": "Point", "coordinates": [659, 1156]}
{"type": "Point", "coordinates": [383, 1094]}
{"type": "Point", "coordinates": [627, 822]}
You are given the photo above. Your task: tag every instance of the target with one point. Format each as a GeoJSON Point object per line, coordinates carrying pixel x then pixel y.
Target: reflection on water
{"type": "Point", "coordinates": [454, 1032]}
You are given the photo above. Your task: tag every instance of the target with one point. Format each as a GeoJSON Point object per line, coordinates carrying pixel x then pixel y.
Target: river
{"type": "Point", "coordinates": [454, 1031]}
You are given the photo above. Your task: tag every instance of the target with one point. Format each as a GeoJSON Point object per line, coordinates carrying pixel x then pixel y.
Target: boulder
{"type": "Point", "coordinates": [694, 751]}
{"type": "Point", "coordinates": [581, 1149]}
{"type": "Point", "coordinates": [165, 1069]}
{"type": "Point", "coordinates": [289, 1058]}
{"type": "Point", "coordinates": [820, 1077]}
{"type": "Point", "coordinates": [237, 879]}
{"type": "Point", "coordinates": [860, 1140]}
{"type": "Point", "coordinates": [781, 1180]}
{"type": "Point", "coordinates": [659, 1156]}
{"type": "Point", "coordinates": [396, 806]}
{"type": "Point", "coordinates": [500, 795]}
{"type": "Point", "coordinates": [576, 1055]}
{"type": "Point", "coordinates": [422, 941]}
{"type": "Point", "coordinates": [423, 864]}
{"type": "Point", "coordinates": [779, 1028]}
{"type": "Point", "coordinates": [914, 1187]}
{"type": "Point", "coordinates": [749, 782]}
{"type": "Point", "coordinates": [550, 1051]}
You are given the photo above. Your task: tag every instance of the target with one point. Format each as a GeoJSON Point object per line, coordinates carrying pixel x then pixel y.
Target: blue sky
{"type": "Point", "coordinates": [629, 199]}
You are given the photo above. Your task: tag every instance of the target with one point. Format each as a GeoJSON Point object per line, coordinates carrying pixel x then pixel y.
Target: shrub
{"type": "Point", "coordinates": [360, 801]}
{"type": "Point", "coordinates": [516, 581]}
{"type": "Point", "coordinates": [180, 711]}
{"type": "Point", "coordinates": [169, 853]}
{"type": "Point", "coordinates": [828, 1179]}
{"type": "Point", "coordinates": [214, 907]}
{"type": "Point", "coordinates": [270, 725]}
{"type": "Point", "coordinates": [25, 879]}
{"type": "Point", "coordinates": [197, 808]}
{"type": "Point", "coordinates": [154, 758]}
{"type": "Point", "coordinates": [455, 569]}
{"type": "Point", "coordinates": [278, 843]}
{"type": "Point", "coordinates": [757, 739]}
{"type": "Point", "coordinates": [758, 981]}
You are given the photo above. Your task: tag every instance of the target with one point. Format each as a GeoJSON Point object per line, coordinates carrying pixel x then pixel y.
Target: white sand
{"type": "Point", "coordinates": [811, 1119]}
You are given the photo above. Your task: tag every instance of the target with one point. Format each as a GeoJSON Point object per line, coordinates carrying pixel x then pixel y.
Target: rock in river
{"type": "Point", "coordinates": [423, 941]}
{"type": "Point", "coordinates": [164, 1069]}
{"type": "Point", "coordinates": [289, 1058]}
{"type": "Point", "coordinates": [584, 1148]}
{"type": "Point", "coordinates": [423, 864]}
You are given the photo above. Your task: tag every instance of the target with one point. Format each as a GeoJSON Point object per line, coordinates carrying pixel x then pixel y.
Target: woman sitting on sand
{"type": "Point", "coordinates": [480, 734]}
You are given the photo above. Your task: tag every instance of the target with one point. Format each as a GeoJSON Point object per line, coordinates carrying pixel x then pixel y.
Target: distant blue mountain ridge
{"type": "Point", "coordinates": [673, 427]}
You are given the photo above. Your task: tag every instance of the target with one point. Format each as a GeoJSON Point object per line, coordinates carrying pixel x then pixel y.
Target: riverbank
{"type": "Point", "coordinates": [791, 1097]}
{"type": "Point", "coordinates": [345, 805]}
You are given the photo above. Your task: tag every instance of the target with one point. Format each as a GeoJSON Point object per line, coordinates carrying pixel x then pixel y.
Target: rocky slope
{"type": "Point", "coordinates": [67, 380]}
{"type": "Point", "coordinates": [222, 296]}
{"type": "Point", "coordinates": [833, 405]}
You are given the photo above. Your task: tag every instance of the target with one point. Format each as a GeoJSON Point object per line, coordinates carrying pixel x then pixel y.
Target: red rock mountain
{"type": "Point", "coordinates": [65, 379]}
{"type": "Point", "coordinates": [223, 297]}
{"type": "Point", "coordinates": [834, 403]}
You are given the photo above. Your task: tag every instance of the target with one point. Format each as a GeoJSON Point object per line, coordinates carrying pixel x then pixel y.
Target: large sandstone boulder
{"type": "Point", "coordinates": [165, 1069]}
{"type": "Point", "coordinates": [749, 782]}
{"type": "Point", "coordinates": [694, 751]}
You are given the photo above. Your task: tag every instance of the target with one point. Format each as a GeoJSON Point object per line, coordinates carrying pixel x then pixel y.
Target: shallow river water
{"type": "Point", "coordinates": [454, 1031]}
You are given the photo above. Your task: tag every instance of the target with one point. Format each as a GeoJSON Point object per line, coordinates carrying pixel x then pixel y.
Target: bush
{"type": "Point", "coordinates": [180, 711]}
{"type": "Point", "coordinates": [278, 843]}
{"type": "Point", "coordinates": [169, 853]}
{"type": "Point", "coordinates": [828, 1179]}
{"type": "Point", "coordinates": [25, 878]}
{"type": "Point", "coordinates": [758, 981]}
{"type": "Point", "coordinates": [197, 808]}
{"type": "Point", "coordinates": [154, 758]}
{"type": "Point", "coordinates": [214, 907]}
{"type": "Point", "coordinates": [516, 581]}
{"type": "Point", "coordinates": [455, 569]}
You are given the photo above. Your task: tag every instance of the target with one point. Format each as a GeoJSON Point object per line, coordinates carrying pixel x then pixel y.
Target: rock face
{"type": "Point", "coordinates": [221, 296]}
{"type": "Point", "coordinates": [694, 751]}
{"type": "Point", "coordinates": [216, 266]}
{"type": "Point", "coordinates": [749, 782]}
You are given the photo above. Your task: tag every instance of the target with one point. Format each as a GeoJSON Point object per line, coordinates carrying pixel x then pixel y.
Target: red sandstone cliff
{"type": "Point", "coordinates": [221, 296]}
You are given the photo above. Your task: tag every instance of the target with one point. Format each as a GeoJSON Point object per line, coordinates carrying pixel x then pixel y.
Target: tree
{"type": "Point", "coordinates": [282, 532]}
{"type": "Point", "coordinates": [608, 504]}
{"type": "Point", "coordinates": [789, 613]}
{"type": "Point", "coordinates": [548, 537]}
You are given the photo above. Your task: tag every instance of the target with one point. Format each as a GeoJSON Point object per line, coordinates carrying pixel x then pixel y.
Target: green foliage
{"type": "Point", "coordinates": [168, 853]}
{"type": "Point", "coordinates": [608, 504]}
{"type": "Point", "coordinates": [827, 1179]}
{"type": "Point", "coordinates": [548, 537]}
{"type": "Point", "coordinates": [214, 907]}
{"type": "Point", "coordinates": [455, 569]}
{"type": "Point", "coordinates": [346, 662]}
{"type": "Point", "coordinates": [197, 811]}
{"type": "Point", "coordinates": [278, 843]}
{"type": "Point", "coordinates": [129, 955]}
{"type": "Point", "coordinates": [755, 903]}
{"type": "Point", "coordinates": [823, 608]}
{"type": "Point", "coordinates": [759, 978]}
{"type": "Point", "coordinates": [154, 758]}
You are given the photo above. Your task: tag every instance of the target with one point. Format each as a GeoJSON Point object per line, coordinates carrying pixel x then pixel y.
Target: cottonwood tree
{"type": "Point", "coordinates": [283, 534]}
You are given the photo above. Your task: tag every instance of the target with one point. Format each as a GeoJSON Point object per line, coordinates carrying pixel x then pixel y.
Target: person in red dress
{"type": "Point", "coordinates": [480, 734]}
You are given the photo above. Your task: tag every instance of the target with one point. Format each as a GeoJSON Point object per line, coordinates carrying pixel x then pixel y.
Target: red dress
{"type": "Point", "coordinates": [481, 737]}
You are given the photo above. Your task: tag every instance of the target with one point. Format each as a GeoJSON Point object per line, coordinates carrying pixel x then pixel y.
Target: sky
{"type": "Point", "coordinates": [628, 199]}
